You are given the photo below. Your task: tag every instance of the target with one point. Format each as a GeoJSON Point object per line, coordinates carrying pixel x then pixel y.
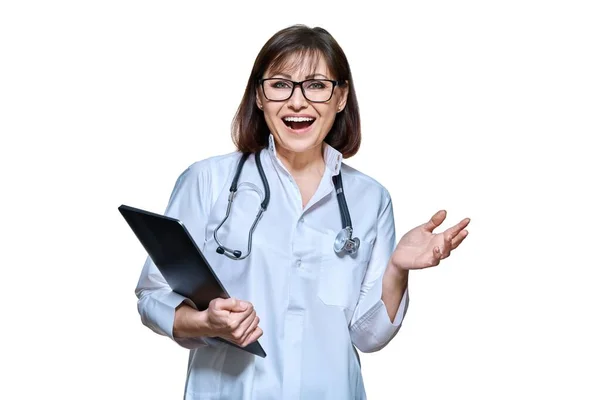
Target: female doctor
{"type": "Point", "coordinates": [303, 243]}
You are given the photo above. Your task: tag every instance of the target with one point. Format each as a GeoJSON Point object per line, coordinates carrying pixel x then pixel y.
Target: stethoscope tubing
{"type": "Point", "coordinates": [236, 254]}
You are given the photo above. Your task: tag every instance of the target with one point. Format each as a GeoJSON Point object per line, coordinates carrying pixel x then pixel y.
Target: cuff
{"type": "Point", "coordinates": [374, 329]}
{"type": "Point", "coordinates": [164, 317]}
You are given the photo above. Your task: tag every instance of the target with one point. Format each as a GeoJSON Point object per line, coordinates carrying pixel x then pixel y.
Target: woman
{"type": "Point", "coordinates": [310, 291]}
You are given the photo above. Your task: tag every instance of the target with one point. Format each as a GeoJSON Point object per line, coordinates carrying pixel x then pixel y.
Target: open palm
{"type": "Point", "coordinates": [421, 248]}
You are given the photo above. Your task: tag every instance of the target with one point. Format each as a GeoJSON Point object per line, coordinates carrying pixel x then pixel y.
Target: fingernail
{"type": "Point", "coordinates": [244, 304]}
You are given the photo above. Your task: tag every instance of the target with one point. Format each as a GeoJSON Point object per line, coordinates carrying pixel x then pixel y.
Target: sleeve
{"type": "Point", "coordinates": [190, 203]}
{"type": "Point", "coordinates": [370, 327]}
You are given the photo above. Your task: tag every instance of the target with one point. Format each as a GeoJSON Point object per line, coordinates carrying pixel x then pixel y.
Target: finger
{"type": "Point", "coordinates": [250, 328]}
{"type": "Point", "coordinates": [231, 304]}
{"type": "Point", "coordinates": [244, 324]}
{"type": "Point", "coordinates": [238, 318]}
{"type": "Point", "coordinates": [459, 238]}
{"type": "Point", "coordinates": [235, 319]}
{"type": "Point", "coordinates": [239, 333]}
{"type": "Point", "coordinates": [437, 256]}
{"type": "Point", "coordinates": [429, 259]}
{"type": "Point", "coordinates": [435, 221]}
{"type": "Point", "coordinates": [445, 250]}
{"type": "Point", "coordinates": [253, 337]}
{"type": "Point", "coordinates": [451, 232]}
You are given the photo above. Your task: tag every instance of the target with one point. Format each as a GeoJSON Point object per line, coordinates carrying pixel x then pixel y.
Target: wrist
{"type": "Point", "coordinates": [396, 274]}
{"type": "Point", "coordinates": [202, 324]}
{"type": "Point", "coordinates": [395, 282]}
{"type": "Point", "coordinates": [190, 323]}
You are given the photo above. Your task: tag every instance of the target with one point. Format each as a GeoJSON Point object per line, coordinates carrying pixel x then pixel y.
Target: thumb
{"type": "Point", "coordinates": [235, 305]}
{"type": "Point", "coordinates": [435, 221]}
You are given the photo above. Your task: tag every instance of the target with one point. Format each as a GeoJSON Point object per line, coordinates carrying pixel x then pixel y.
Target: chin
{"type": "Point", "coordinates": [298, 147]}
{"type": "Point", "coordinates": [299, 142]}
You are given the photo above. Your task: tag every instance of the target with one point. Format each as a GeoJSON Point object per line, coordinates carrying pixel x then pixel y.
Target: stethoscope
{"type": "Point", "coordinates": [343, 243]}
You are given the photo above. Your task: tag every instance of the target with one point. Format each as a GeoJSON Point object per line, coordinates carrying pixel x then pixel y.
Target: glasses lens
{"type": "Point", "coordinates": [316, 90]}
{"type": "Point", "coordinates": [277, 89]}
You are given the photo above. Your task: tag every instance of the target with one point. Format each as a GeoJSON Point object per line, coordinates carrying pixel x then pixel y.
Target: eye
{"type": "Point", "coordinates": [317, 85]}
{"type": "Point", "coordinates": [279, 84]}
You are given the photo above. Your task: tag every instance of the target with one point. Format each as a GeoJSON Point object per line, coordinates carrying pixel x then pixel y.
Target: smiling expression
{"type": "Point", "coordinates": [299, 125]}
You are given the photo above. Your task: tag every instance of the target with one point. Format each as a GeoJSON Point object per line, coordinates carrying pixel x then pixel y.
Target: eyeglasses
{"type": "Point", "coordinates": [314, 90]}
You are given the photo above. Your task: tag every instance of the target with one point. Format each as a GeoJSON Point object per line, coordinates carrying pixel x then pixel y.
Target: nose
{"type": "Point", "coordinates": [297, 101]}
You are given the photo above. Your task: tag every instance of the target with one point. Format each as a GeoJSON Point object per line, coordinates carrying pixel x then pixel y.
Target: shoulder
{"type": "Point", "coordinates": [363, 184]}
{"type": "Point", "coordinates": [214, 165]}
{"type": "Point", "coordinates": [208, 174]}
{"type": "Point", "coordinates": [204, 179]}
{"type": "Point", "coordinates": [211, 169]}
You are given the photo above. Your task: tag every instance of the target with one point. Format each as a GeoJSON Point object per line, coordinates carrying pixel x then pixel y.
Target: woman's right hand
{"type": "Point", "coordinates": [230, 319]}
{"type": "Point", "coordinates": [233, 320]}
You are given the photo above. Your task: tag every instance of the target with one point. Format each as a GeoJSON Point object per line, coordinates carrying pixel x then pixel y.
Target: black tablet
{"type": "Point", "coordinates": [170, 245]}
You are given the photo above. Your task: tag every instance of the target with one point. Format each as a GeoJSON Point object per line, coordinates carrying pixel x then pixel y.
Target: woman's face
{"type": "Point", "coordinates": [297, 124]}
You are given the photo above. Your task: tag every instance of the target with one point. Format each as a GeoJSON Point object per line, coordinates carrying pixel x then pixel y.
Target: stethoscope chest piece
{"type": "Point", "coordinates": [345, 243]}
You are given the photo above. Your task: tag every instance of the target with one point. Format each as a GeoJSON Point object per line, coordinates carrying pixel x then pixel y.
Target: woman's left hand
{"type": "Point", "coordinates": [421, 248]}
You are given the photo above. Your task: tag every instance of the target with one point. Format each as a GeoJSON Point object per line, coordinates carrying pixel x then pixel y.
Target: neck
{"type": "Point", "coordinates": [308, 162]}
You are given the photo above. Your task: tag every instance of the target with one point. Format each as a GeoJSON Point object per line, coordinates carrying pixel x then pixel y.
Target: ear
{"type": "Point", "coordinates": [259, 102]}
{"type": "Point", "coordinates": [341, 104]}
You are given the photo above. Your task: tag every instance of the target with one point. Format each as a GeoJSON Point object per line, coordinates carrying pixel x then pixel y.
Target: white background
{"type": "Point", "coordinates": [487, 109]}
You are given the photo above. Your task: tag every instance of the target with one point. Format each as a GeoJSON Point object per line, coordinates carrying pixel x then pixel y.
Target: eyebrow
{"type": "Point", "coordinates": [312, 76]}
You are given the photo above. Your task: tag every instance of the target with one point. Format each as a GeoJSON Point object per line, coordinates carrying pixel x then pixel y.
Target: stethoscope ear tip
{"type": "Point", "coordinates": [236, 253]}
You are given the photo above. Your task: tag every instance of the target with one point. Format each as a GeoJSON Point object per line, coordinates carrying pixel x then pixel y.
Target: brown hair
{"type": "Point", "coordinates": [250, 132]}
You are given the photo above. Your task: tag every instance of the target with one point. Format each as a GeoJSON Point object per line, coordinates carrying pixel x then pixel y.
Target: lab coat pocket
{"type": "Point", "coordinates": [340, 277]}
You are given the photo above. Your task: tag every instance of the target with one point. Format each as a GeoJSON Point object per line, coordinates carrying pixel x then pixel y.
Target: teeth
{"type": "Point", "coordinates": [298, 119]}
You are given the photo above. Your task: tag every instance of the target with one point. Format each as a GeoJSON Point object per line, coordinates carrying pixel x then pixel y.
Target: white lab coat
{"type": "Point", "coordinates": [314, 306]}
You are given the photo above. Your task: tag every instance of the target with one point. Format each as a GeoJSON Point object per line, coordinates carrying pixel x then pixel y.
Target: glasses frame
{"type": "Point", "coordinates": [294, 84]}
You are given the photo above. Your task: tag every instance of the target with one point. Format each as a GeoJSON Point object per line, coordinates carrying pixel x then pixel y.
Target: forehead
{"type": "Point", "coordinates": [299, 65]}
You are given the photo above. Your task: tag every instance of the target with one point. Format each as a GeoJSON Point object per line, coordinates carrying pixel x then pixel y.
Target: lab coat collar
{"type": "Point", "coordinates": [333, 158]}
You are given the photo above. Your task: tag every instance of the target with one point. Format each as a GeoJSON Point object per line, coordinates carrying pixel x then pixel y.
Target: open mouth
{"type": "Point", "coordinates": [298, 123]}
